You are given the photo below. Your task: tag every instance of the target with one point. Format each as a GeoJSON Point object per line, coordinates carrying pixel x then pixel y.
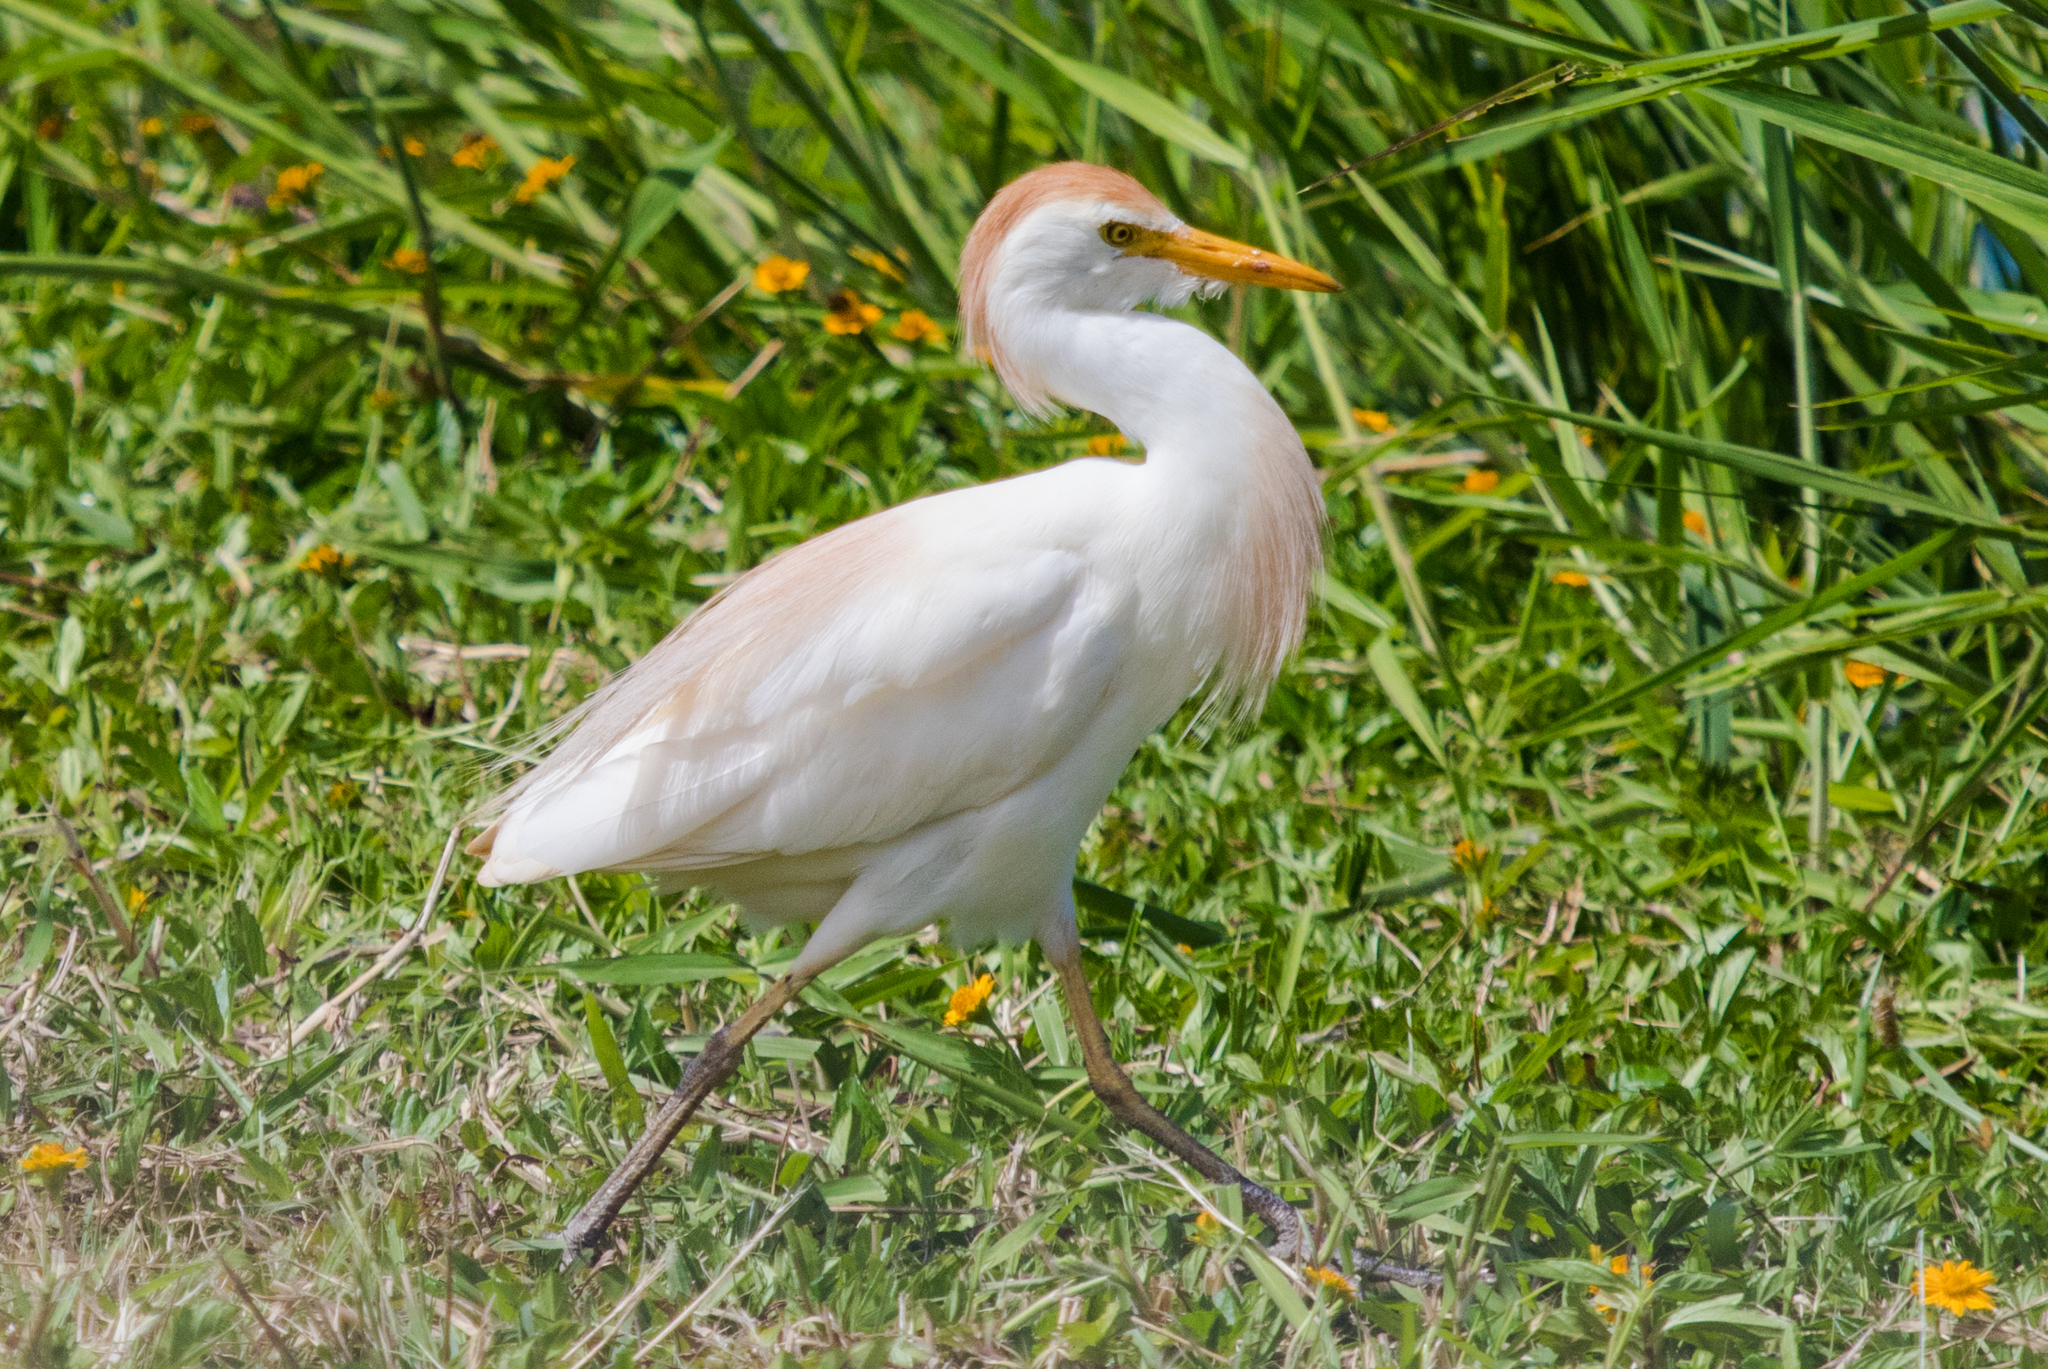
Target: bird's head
{"type": "Point", "coordinates": [1076, 237]}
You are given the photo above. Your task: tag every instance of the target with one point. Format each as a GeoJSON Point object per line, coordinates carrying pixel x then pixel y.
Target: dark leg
{"type": "Point", "coordinates": [712, 1067]}
{"type": "Point", "coordinates": [1118, 1094]}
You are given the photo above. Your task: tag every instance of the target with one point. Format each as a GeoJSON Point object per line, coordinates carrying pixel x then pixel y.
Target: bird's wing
{"type": "Point", "coordinates": [895, 671]}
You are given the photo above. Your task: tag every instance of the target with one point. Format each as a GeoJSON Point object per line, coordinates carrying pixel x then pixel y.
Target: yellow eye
{"type": "Point", "coordinates": [1119, 234]}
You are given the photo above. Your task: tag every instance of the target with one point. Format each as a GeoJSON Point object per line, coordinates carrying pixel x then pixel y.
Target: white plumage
{"type": "Point", "coordinates": [915, 717]}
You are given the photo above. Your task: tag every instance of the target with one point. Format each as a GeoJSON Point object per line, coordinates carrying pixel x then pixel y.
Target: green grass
{"type": "Point", "coordinates": [1729, 981]}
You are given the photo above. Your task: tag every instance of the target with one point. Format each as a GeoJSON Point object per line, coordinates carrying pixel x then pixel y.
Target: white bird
{"type": "Point", "coordinates": [915, 717]}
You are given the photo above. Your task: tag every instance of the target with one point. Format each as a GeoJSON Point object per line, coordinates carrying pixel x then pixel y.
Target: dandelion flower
{"type": "Point", "coordinates": [1576, 579]}
{"type": "Point", "coordinates": [540, 176]}
{"type": "Point", "coordinates": [1324, 1277]}
{"type": "Point", "coordinates": [414, 147]}
{"type": "Point", "coordinates": [410, 260]}
{"type": "Point", "coordinates": [50, 1157]}
{"type": "Point", "coordinates": [138, 899]}
{"type": "Point", "coordinates": [1695, 522]}
{"type": "Point", "coordinates": [915, 325]}
{"type": "Point", "coordinates": [1953, 1285]}
{"type": "Point", "coordinates": [1372, 419]}
{"type": "Point", "coordinates": [150, 127]}
{"type": "Point", "coordinates": [475, 152]}
{"type": "Point", "coordinates": [780, 273]}
{"type": "Point", "coordinates": [1106, 444]}
{"type": "Point", "coordinates": [1467, 854]}
{"type": "Point", "coordinates": [1862, 674]}
{"type": "Point", "coordinates": [968, 998]}
{"type": "Point", "coordinates": [849, 314]}
{"type": "Point", "coordinates": [868, 256]}
{"type": "Point", "coordinates": [1480, 482]}
{"type": "Point", "coordinates": [294, 183]}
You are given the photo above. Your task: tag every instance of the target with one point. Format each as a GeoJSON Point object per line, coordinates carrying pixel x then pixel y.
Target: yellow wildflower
{"type": "Point", "coordinates": [475, 151]}
{"type": "Point", "coordinates": [540, 176]}
{"type": "Point", "coordinates": [1207, 1228]}
{"type": "Point", "coordinates": [916, 325]}
{"type": "Point", "coordinates": [410, 260]}
{"type": "Point", "coordinates": [1862, 674]}
{"type": "Point", "coordinates": [340, 794]}
{"type": "Point", "coordinates": [294, 183]}
{"type": "Point", "coordinates": [1576, 579]}
{"type": "Point", "coordinates": [1373, 419]}
{"type": "Point", "coordinates": [1695, 522]}
{"type": "Point", "coordinates": [1183, 948]}
{"type": "Point", "coordinates": [414, 147]}
{"type": "Point", "coordinates": [780, 273]}
{"type": "Point", "coordinates": [1324, 1277]}
{"type": "Point", "coordinates": [1953, 1285]}
{"type": "Point", "coordinates": [51, 1156]}
{"type": "Point", "coordinates": [138, 899]}
{"type": "Point", "coordinates": [1467, 854]}
{"type": "Point", "coordinates": [968, 998]}
{"type": "Point", "coordinates": [868, 256]}
{"type": "Point", "coordinates": [1619, 1264]}
{"type": "Point", "coordinates": [320, 559]}
{"type": "Point", "coordinates": [150, 127]}
{"type": "Point", "coordinates": [1106, 444]}
{"type": "Point", "coordinates": [1480, 481]}
{"type": "Point", "coordinates": [848, 314]}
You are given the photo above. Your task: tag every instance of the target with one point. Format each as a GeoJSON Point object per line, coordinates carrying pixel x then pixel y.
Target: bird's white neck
{"type": "Point", "coordinates": [1217, 449]}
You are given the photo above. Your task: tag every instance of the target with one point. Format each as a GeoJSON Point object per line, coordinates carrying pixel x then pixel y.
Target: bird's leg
{"type": "Point", "coordinates": [1121, 1097]}
{"type": "Point", "coordinates": [713, 1065]}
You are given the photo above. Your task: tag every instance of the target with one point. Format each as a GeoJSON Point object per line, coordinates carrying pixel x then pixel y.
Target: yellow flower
{"type": "Point", "coordinates": [1480, 482]}
{"type": "Point", "coordinates": [1862, 674]}
{"type": "Point", "coordinates": [1953, 1285]}
{"type": "Point", "coordinates": [1373, 419]}
{"type": "Point", "coordinates": [868, 256]}
{"type": "Point", "coordinates": [1619, 1264]}
{"type": "Point", "coordinates": [1695, 522]}
{"type": "Point", "coordinates": [1207, 1228]}
{"type": "Point", "coordinates": [540, 176]}
{"type": "Point", "coordinates": [1324, 1277]}
{"type": "Point", "coordinates": [410, 260]}
{"type": "Point", "coordinates": [1183, 948]}
{"type": "Point", "coordinates": [1106, 444]}
{"type": "Point", "coordinates": [195, 122]}
{"type": "Point", "coordinates": [150, 127]}
{"type": "Point", "coordinates": [51, 1156]}
{"type": "Point", "coordinates": [780, 273]}
{"type": "Point", "coordinates": [294, 183]}
{"type": "Point", "coordinates": [916, 326]}
{"type": "Point", "coordinates": [340, 794]}
{"type": "Point", "coordinates": [320, 559]}
{"type": "Point", "coordinates": [968, 998]}
{"type": "Point", "coordinates": [1467, 854]}
{"type": "Point", "coordinates": [848, 314]}
{"type": "Point", "coordinates": [138, 899]}
{"type": "Point", "coordinates": [414, 147]}
{"type": "Point", "coordinates": [475, 151]}
{"type": "Point", "coordinates": [1575, 579]}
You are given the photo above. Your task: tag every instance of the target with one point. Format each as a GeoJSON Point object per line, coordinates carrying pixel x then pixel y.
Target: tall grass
{"type": "Point", "coordinates": [1642, 863]}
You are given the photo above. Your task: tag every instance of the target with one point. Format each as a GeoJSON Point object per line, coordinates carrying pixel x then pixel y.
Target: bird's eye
{"type": "Point", "coordinates": [1119, 234]}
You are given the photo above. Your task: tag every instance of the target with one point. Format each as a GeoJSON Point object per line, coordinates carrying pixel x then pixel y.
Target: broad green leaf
{"type": "Point", "coordinates": [673, 967]}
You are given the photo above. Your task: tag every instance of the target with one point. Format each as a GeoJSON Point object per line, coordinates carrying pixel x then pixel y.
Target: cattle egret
{"type": "Point", "coordinates": [913, 718]}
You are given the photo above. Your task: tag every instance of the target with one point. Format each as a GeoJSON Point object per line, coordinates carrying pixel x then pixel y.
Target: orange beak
{"type": "Point", "coordinates": [1217, 258]}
